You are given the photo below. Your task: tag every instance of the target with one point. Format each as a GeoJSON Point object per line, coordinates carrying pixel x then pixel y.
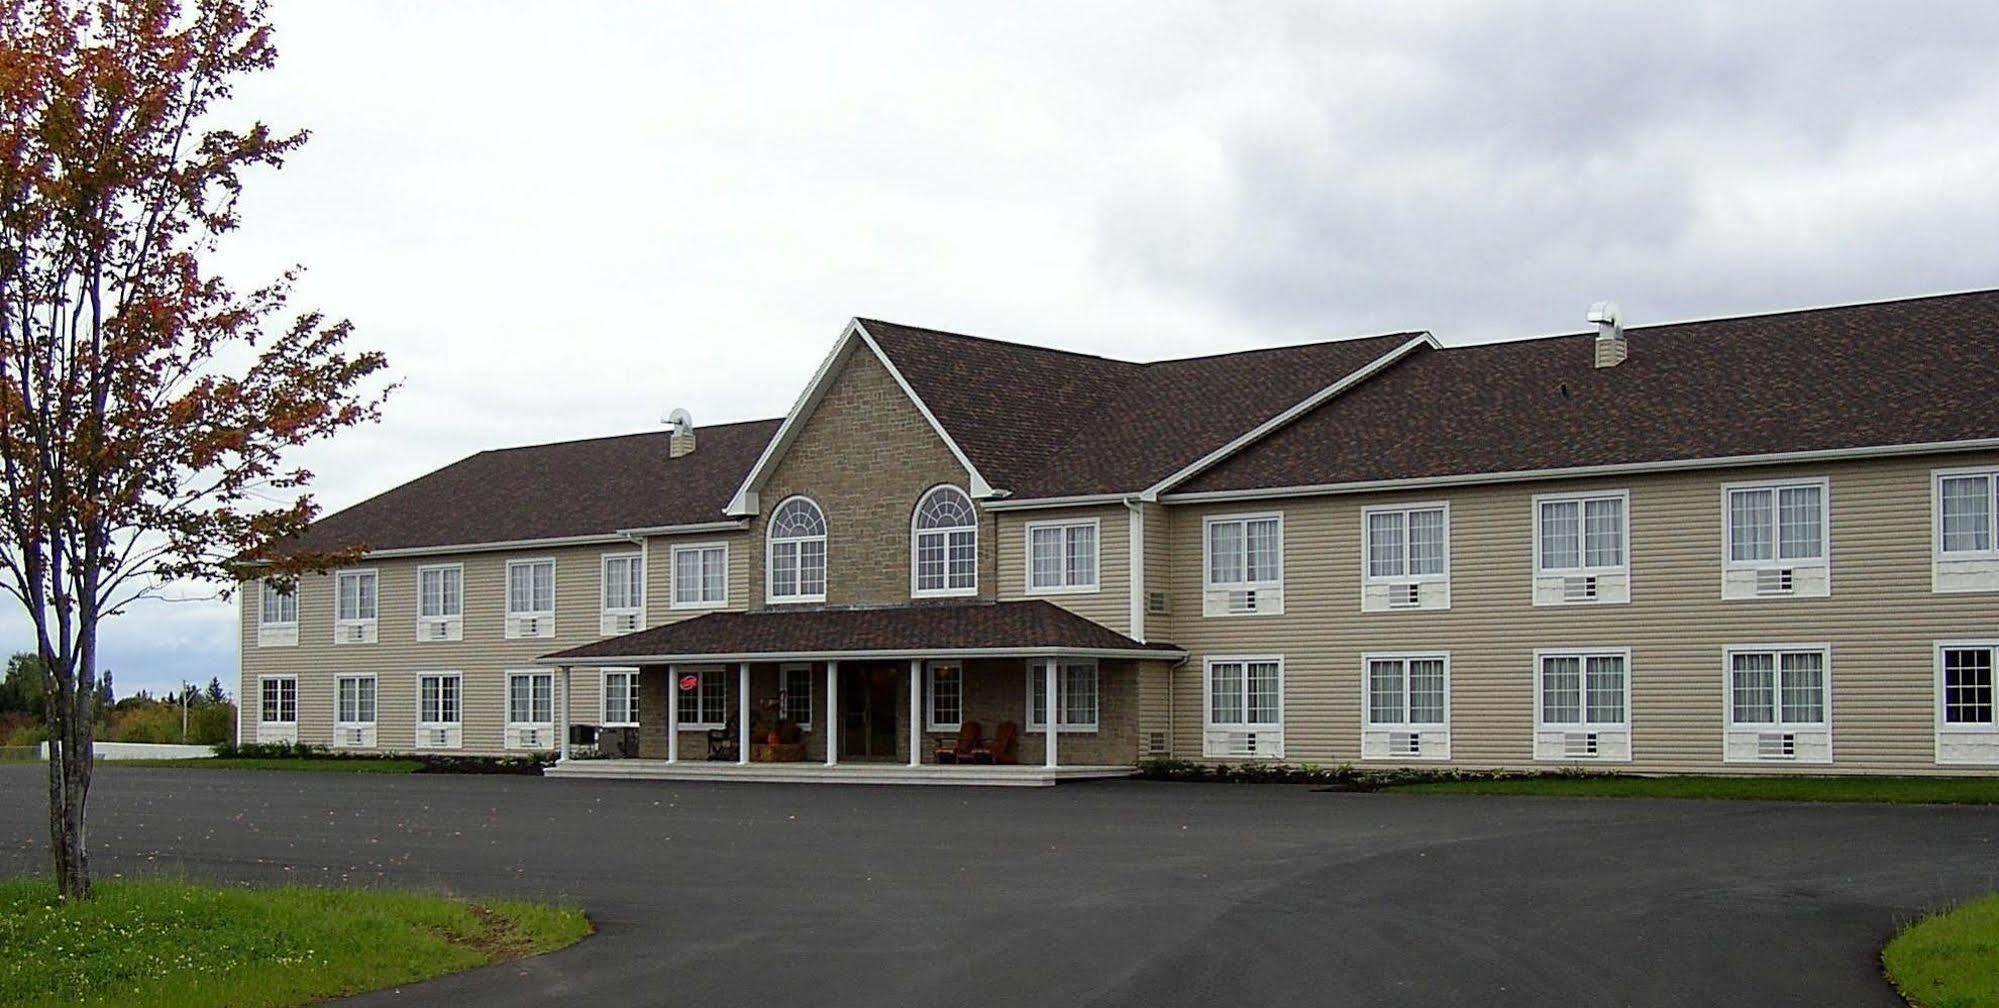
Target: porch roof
{"type": "Point", "coordinates": [1033, 628]}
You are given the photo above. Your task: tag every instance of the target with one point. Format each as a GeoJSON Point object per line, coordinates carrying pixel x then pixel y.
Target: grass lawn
{"type": "Point", "coordinates": [246, 763]}
{"type": "Point", "coordinates": [1911, 790]}
{"type": "Point", "coordinates": [1950, 960]}
{"type": "Point", "coordinates": [179, 945]}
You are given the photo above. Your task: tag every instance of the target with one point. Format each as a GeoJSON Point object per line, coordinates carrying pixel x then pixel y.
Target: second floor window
{"type": "Point", "coordinates": [1062, 556]}
{"type": "Point", "coordinates": [700, 576]}
{"type": "Point", "coordinates": [1245, 552]}
{"type": "Point", "coordinates": [441, 592]}
{"type": "Point", "coordinates": [1406, 543]}
{"type": "Point", "coordinates": [355, 596]}
{"type": "Point", "coordinates": [1776, 524]}
{"type": "Point", "coordinates": [1583, 533]}
{"type": "Point", "coordinates": [1967, 514]}
{"type": "Point", "coordinates": [797, 552]}
{"type": "Point", "coordinates": [624, 583]}
{"type": "Point", "coordinates": [531, 588]}
{"type": "Point", "coordinates": [280, 605]}
{"type": "Point", "coordinates": [945, 551]}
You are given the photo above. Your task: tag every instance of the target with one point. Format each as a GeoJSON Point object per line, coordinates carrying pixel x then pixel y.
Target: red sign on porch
{"type": "Point", "coordinates": [688, 683]}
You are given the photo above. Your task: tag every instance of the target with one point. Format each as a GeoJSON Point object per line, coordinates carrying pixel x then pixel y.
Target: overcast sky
{"type": "Point", "coordinates": [560, 220]}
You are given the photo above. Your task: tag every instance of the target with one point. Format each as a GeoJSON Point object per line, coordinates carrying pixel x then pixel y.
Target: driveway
{"type": "Point", "coordinates": [1107, 893]}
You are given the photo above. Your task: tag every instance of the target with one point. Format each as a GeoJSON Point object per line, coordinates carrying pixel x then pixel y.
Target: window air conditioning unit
{"type": "Point", "coordinates": [1405, 744]}
{"type": "Point", "coordinates": [530, 626]}
{"type": "Point", "coordinates": [1776, 745]}
{"type": "Point", "coordinates": [354, 736]}
{"type": "Point", "coordinates": [1579, 745]}
{"type": "Point", "coordinates": [1404, 596]}
{"type": "Point", "coordinates": [620, 623]}
{"type": "Point", "coordinates": [1774, 582]}
{"type": "Point", "coordinates": [437, 738]}
{"type": "Point", "coordinates": [437, 629]}
{"type": "Point", "coordinates": [1579, 589]}
{"type": "Point", "coordinates": [353, 633]}
{"type": "Point", "coordinates": [527, 738]}
{"type": "Point", "coordinates": [1242, 601]}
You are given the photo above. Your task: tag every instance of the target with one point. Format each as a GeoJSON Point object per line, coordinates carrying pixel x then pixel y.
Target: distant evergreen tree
{"type": "Point", "coordinates": [215, 692]}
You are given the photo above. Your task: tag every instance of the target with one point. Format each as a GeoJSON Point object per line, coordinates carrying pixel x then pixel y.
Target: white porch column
{"type": "Point", "coordinates": [916, 712]}
{"type": "Point", "coordinates": [562, 726]}
{"type": "Point", "coordinates": [1051, 710]}
{"type": "Point", "coordinates": [832, 726]}
{"type": "Point", "coordinates": [673, 713]}
{"type": "Point", "coordinates": [743, 714]}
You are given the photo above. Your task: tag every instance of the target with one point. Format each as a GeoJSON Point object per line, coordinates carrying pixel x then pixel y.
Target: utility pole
{"type": "Point", "coordinates": [186, 688]}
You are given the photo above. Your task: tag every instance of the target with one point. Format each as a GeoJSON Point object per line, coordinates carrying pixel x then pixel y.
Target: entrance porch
{"type": "Point", "coordinates": [844, 773]}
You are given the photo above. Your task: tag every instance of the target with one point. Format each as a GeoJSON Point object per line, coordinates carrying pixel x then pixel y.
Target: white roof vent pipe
{"type": "Point", "coordinates": [680, 440]}
{"type": "Point", "coordinates": [1610, 345]}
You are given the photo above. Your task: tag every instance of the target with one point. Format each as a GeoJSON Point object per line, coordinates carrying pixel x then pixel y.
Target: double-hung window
{"type": "Point", "coordinates": [277, 615]}
{"type": "Point", "coordinates": [621, 697]}
{"type": "Point", "coordinates": [1075, 701]}
{"type": "Point", "coordinates": [1244, 707]}
{"type": "Point", "coordinates": [1776, 539]}
{"type": "Point", "coordinates": [945, 698]}
{"type": "Point", "coordinates": [796, 553]}
{"type": "Point", "coordinates": [530, 710]}
{"type": "Point", "coordinates": [530, 598]}
{"type": "Point", "coordinates": [1967, 706]}
{"type": "Point", "coordinates": [623, 593]}
{"type": "Point", "coordinates": [1407, 557]}
{"type": "Point", "coordinates": [1407, 704]}
{"type": "Point", "coordinates": [1580, 548]}
{"type": "Point", "coordinates": [944, 551]}
{"type": "Point", "coordinates": [1243, 565]}
{"type": "Point", "coordinates": [1062, 556]}
{"type": "Point", "coordinates": [701, 576]}
{"type": "Point", "coordinates": [1967, 530]}
{"type": "Point", "coordinates": [354, 607]}
{"type": "Point", "coordinates": [354, 711]}
{"type": "Point", "coordinates": [440, 592]}
{"type": "Point", "coordinates": [440, 710]}
{"type": "Point", "coordinates": [1583, 705]}
{"type": "Point", "coordinates": [277, 709]}
{"type": "Point", "coordinates": [1779, 704]}
{"type": "Point", "coordinates": [706, 706]}
{"type": "Point", "coordinates": [795, 695]}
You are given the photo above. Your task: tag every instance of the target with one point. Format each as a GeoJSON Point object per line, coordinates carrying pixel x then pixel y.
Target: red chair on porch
{"type": "Point", "coordinates": [1002, 748]}
{"type": "Point", "coordinates": [969, 738]}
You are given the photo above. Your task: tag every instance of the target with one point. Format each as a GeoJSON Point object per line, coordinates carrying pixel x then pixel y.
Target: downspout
{"type": "Point", "coordinates": [1135, 564]}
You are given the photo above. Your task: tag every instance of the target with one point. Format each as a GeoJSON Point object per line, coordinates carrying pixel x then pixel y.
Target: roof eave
{"type": "Point", "coordinates": [1031, 651]}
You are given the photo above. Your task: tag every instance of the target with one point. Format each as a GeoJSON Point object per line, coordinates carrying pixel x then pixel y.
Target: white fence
{"type": "Point", "coordinates": [142, 750]}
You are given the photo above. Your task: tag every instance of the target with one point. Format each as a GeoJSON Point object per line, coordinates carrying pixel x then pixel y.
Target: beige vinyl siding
{"type": "Point", "coordinates": [483, 657]}
{"type": "Point", "coordinates": [1110, 604]}
{"type": "Point", "coordinates": [1881, 620]}
{"type": "Point", "coordinates": [659, 574]}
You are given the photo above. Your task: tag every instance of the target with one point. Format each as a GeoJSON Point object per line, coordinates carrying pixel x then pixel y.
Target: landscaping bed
{"type": "Point", "coordinates": [1950, 960]}
{"type": "Point", "coordinates": [180, 945]}
{"type": "Point", "coordinates": [1591, 784]}
{"type": "Point", "coordinates": [321, 758]}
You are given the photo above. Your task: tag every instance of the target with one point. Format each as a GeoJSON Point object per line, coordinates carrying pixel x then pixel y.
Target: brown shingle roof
{"type": "Point", "coordinates": [1030, 626]}
{"type": "Point", "coordinates": [551, 491]}
{"type": "Point", "coordinates": [1890, 373]}
{"type": "Point", "coordinates": [1045, 423]}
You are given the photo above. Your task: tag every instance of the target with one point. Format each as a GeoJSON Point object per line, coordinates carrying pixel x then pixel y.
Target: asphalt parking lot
{"type": "Point", "coordinates": [1110, 893]}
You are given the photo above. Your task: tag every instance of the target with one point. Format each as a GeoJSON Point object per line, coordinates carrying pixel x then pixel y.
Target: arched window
{"type": "Point", "coordinates": [944, 556]}
{"type": "Point", "coordinates": [797, 552]}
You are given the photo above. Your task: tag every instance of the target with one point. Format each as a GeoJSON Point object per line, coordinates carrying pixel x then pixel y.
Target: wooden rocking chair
{"type": "Point", "coordinates": [969, 738]}
{"type": "Point", "coordinates": [1003, 748]}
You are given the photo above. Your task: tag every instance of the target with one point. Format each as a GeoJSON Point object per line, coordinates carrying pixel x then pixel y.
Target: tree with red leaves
{"type": "Point", "coordinates": [145, 405]}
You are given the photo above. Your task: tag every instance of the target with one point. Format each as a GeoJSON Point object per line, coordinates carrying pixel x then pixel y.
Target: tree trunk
{"type": "Point", "coordinates": [71, 734]}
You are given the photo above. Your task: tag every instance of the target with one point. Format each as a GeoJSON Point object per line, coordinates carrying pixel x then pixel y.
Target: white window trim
{"type": "Point", "coordinates": [720, 674]}
{"type": "Point", "coordinates": [1937, 555]}
{"type": "Point", "coordinates": [604, 697]}
{"type": "Point", "coordinates": [360, 621]}
{"type": "Point", "coordinates": [507, 588]}
{"type": "Point", "coordinates": [1583, 541]}
{"type": "Point", "coordinates": [811, 704]}
{"type": "Point", "coordinates": [1582, 709]}
{"type": "Point", "coordinates": [1208, 524]}
{"type": "Point", "coordinates": [1405, 725]}
{"type": "Point", "coordinates": [1096, 561]}
{"type": "Point", "coordinates": [673, 575]}
{"type": "Point", "coordinates": [604, 585]}
{"type": "Point", "coordinates": [290, 624]}
{"type": "Point", "coordinates": [261, 680]}
{"type": "Point", "coordinates": [1824, 559]}
{"type": "Point", "coordinates": [422, 724]}
{"type": "Point", "coordinates": [1366, 568]}
{"type": "Point", "coordinates": [338, 721]}
{"type": "Point", "coordinates": [1824, 650]}
{"type": "Point", "coordinates": [1208, 692]}
{"type": "Point", "coordinates": [426, 568]}
{"type": "Point", "coordinates": [1937, 707]}
{"type": "Point", "coordinates": [507, 701]}
{"type": "Point", "coordinates": [930, 698]}
{"type": "Point", "coordinates": [914, 532]}
{"type": "Point", "coordinates": [770, 555]}
{"type": "Point", "coordinates": [1037, 668]}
